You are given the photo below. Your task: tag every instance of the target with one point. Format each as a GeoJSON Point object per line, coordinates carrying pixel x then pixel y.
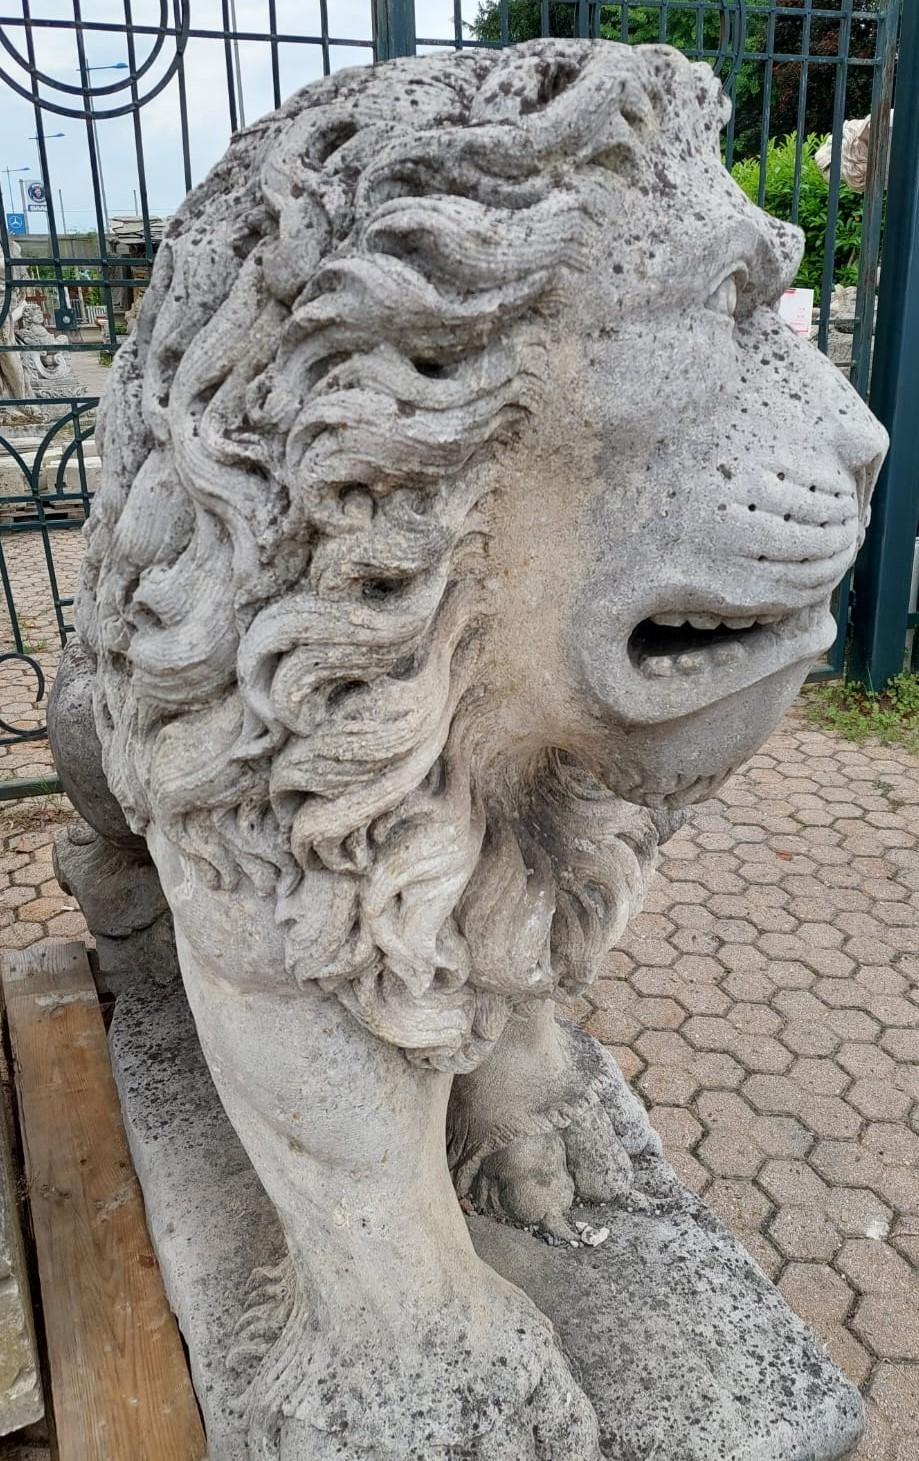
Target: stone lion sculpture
{"type": "Point", "coordinates": [467, 512]}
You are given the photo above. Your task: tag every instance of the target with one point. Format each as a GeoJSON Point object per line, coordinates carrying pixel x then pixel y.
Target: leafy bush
{"type": "Point", "coordinates": [813, 207]}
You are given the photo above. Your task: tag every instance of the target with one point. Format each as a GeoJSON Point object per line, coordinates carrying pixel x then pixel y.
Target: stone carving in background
{"type": "Point", "coordinates": [14, 384]}
{"type": "Point", "coordinates": [467, 513]}
{"type": "Point", "coordinates": [41, 371]}
{"type": "Point", "coordinates": [856, 150]}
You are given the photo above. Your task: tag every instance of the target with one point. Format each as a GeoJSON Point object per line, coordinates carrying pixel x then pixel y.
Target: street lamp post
{"type": "Point", "coordinates": [84, 73]}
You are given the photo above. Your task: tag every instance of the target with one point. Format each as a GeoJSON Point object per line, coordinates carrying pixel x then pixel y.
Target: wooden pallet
{"type": "Point", "coordinates": [119, 1381]}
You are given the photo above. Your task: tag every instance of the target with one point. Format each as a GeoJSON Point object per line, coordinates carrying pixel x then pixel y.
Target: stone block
{"type": "Point", "coordinates": [679, 1339]}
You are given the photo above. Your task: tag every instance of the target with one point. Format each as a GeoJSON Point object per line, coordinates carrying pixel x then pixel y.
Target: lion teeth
{"type": "Point", "coordinates": [713, 621]}
{"type": "Point", "coordinates": [726, 654]}
{"type": "Point", "coordinates": [690, 664]}
{"type": "Point", "coordinates": [658, 664]}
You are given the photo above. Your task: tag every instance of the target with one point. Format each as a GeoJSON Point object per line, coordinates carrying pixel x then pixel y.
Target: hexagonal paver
{"type": "Point", "coordinates": [857, 1213]}
{"type": "Point", "coordinates": [801, 1232]}
{"type": "Point", "coordinates": [780, 1095]}
{"type": "Point", "coordinates": [793, 1183]}
{"type": "Point", "coordinates": [815, 1292]}
{"type": "Point", "coordinates": [902, 1044]}
{"type": "Point", "coordinates": [864, 1060]}
{"type": "Point", "coordinates": [667, 1085]}
{"type": "Point", "coordinates": [889, 1324]}
{"type": "Point", "coordinates": [808, 1037]}
{"type": "Point", "coordinates": [878, 1100]}
{"type": "Point", "coordinates": [677, 1126]}
{"type": "Point", "coordinates": [740, 1206]}
{"type": "Point", "coordinates": [876, 1268]}
{"type": "Point", "coordinates": [658, 1014]}
{"type": "Point", "coordinates": [823, 1077]}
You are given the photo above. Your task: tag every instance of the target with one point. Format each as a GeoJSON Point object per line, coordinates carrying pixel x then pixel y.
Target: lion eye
{"type": "Point", "coordinates": [723, 300]}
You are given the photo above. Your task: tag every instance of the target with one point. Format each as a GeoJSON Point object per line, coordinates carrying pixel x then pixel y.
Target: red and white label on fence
{"type": "Point", "coordinates": [796, 308]}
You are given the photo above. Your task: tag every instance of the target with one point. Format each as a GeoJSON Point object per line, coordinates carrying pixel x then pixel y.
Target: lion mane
{"type": "Point", "coordinates": [286, 573]}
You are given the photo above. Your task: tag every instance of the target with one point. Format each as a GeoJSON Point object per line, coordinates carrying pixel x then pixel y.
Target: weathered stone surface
{"type": "Point", "coordinates": [679, 1340]}
{"type": "Point", "coordinates": [21, 1400]}
{"type": "Point", "coordinates": [428, 581]}
{"type": "Point", "coordinates": [123, 903]}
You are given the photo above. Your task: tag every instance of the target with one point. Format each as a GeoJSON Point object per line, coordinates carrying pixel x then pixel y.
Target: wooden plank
{"type": "Point", "coordinates": [119, 1380]}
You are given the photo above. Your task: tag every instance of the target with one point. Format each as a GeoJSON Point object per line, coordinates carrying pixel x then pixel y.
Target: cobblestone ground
{"type": "Point", "coordinates": [30, 578]}
{"type": "Point", "coordinates": [766, 1006]}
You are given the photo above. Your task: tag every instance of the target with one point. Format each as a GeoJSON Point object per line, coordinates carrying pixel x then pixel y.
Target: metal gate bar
{"type": "Point", "coordinates": [881, 615]}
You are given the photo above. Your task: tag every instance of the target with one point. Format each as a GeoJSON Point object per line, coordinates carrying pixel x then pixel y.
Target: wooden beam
{"type": "Point", "coordinates": [120, 1384]}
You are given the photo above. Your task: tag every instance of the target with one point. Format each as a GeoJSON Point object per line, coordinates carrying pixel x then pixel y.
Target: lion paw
{"type": "Point", "coordinates": [267, 1307]}
{"type": "Point", "coordinates": [579, 1147]}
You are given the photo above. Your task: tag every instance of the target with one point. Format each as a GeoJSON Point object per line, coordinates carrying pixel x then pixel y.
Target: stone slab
{"type": "Point", "coordinates": [685, 1348]}
{"type": "Point", "coordinates": [21, 1401]}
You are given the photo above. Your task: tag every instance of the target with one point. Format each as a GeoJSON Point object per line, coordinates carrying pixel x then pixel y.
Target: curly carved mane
{"type": "Point", "coordinates": [284, 580]}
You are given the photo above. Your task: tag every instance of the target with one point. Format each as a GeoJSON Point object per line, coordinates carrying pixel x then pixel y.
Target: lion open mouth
{"type": "Point", "coordinates": [684, 643]}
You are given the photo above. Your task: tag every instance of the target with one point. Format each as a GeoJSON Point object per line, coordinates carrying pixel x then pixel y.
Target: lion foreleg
{"type": "Point", "coordinates": [396, 1341]}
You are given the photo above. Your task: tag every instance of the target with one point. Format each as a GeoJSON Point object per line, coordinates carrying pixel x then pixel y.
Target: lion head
{"type": "Point", "coordinates": [466, 510]}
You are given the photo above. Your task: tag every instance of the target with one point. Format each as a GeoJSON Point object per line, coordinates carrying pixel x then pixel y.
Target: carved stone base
{"type": "Point", "coordinates": [682, 1344]}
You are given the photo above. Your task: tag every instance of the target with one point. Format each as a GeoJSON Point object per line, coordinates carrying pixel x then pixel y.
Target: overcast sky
{"type": "Point", "coordinates": [205, 71]}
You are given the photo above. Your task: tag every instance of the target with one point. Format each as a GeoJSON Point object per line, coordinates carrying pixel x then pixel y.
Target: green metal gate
{"type": "Point", "coordinates": [134, 91]}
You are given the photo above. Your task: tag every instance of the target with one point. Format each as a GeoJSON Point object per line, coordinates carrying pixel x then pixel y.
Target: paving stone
{"type": "Point", "coordinates": [874, 1267]}
{"type": "Point", "coordinates": [816, 1293]}
{"type": "Point", "coordinates": [15, 896]}
{"type": "Point", "coordinates": [739, 1204]}
{"type": "Point", "coordinates": [852, 1024]}
{"type": "Point", "coordinates": [747, 985]}
{"type": "Point", "coordinates": [802, 1232]}
{"type": "Point", "coordinates": [789, 974]}
{"type": "Point", "coordinates": [808, 1037]}
{"type": "Point", "coordinates": [847, 1352]}
{"type": "Point", "coordinates": [793, 1183]}
{"type": "Point", "coordinates": [857, 1213]}
{"type": "Point", "coordinates": [878, 1100]}
{"type": "Point", "coordinates": [667, 1085]}
{"type": "Point", "coordinates": [901, 1044]}
{"type": "Point", "coordinates": [677, 1126]}
{"type": "Point", "coordinates": [658, 1014]}
{"type": "Point", "coordinates": [612, 1027]}
{"type": "Point", "coordinates": [41, 909]}
{"type": "Point", "coordinates": [889, 1324]}
{"type": "Point", "coordinates": [689, 1170]}
{"type": "Point", "coordinates": [717, 1072]}
{"type": "Point", "coordinates": [823, 1077]}
{"type": "Point", "coordinates": [825, 1115]}
{"type": "Point", "coordinates": [755, 1019]}
{"type": "Point", "coordinates": [865, 1061]}
{"type": "Point", "coordinates": [800, 1005]}
{"type": "Point", "coordinates": [664, 1047]}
